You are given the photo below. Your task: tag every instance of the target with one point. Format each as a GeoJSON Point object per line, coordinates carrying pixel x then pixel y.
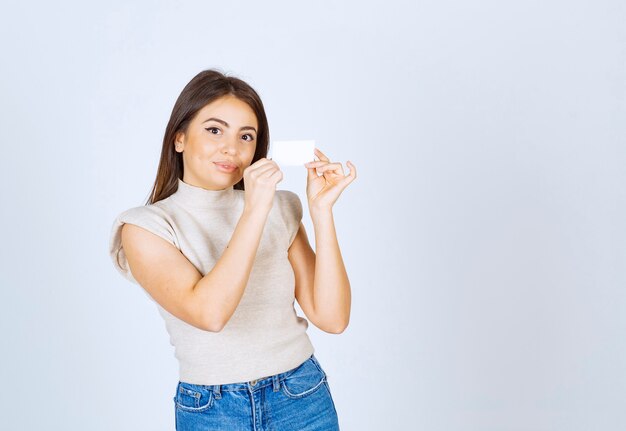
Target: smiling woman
{"type": "Point", "coordinates": [212, 248]}
{"type": "Point", "coordinates": [228, 148]}
{"type": "Point", "coordinates": [213, 110]}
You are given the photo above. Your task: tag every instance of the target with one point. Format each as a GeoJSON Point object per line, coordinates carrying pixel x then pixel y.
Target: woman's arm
{"type": "Point", "coordinates": [325, 299]}
{"type": "Point", "coordinates": [174, 283]}
{"type": "Point", "coordinates": [322, 285]}
{"type": "Point", "coordinates": [222, 288]}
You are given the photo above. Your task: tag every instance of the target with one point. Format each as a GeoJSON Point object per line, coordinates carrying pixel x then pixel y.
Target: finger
{"type": "Point", "coordinates": [259, 163]}
{"type": "Point", "coordinates": [263, 161]}
{"type": "Point", "coordinates": [266, 170]}
{"type": "Point", "coordinates": [277, 174]}
{"type": "Point", "coordinates": [350, 177]}
{"type": "Point", "coordinates": [335, 167]}
{"type": "Point", "coordinates": [315, 163]}
{"type": "Point", "coordinates": [352, 168]}
{"type": "Point", "coordinates": [321, 155]}
{"type": "Point", "coordinates": [321, 164]}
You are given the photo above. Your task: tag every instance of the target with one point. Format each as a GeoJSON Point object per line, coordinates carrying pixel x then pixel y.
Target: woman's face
{"type": "Point", "coordinates": [224, 131]}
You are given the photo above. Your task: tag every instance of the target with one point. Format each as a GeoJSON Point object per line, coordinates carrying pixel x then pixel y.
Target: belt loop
{"type": "Point", "coordinates": [276, 381]}
{"type": "Point", "coordinates": [216, 391]}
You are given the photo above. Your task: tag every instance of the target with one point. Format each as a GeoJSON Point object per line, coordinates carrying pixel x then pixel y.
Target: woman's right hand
{"type": "Point", "coordinates": [260, 179]}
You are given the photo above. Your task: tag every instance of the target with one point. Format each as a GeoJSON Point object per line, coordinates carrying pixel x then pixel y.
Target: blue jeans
{"type": "Point", "coordinates": [298, 399]}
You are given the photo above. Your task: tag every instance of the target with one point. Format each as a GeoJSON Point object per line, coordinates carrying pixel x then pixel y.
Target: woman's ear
{"type": "Point", "coordinates": [179, 142]}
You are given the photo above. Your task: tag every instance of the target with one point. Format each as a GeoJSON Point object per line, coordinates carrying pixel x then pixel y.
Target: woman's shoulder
{"type": "Point", "coordinates": [289, 199]}
{"type": "Point", "coordinates": [153, 217]}
{"type": "Point", "coordinates": [155, 211]}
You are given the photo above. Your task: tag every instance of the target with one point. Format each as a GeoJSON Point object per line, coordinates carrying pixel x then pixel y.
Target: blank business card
{"type": "Point", "coordinates": [292, 153]}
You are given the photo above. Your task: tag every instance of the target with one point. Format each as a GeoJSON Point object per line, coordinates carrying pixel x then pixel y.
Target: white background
{"type": "Point", "coordinates": [484, 236]}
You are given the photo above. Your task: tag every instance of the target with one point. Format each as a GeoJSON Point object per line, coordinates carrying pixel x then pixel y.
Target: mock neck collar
{"type": "Point", "coordinates": [197, 197]}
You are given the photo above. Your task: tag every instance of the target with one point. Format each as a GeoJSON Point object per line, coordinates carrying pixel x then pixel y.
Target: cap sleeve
{"type": "Point", "coordinates": [292, 212]}
{"type": "Point", "coordinates": [149, 217]}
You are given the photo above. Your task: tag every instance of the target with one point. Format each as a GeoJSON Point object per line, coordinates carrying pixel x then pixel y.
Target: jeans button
{"type": "Point", "coordinates": [253, 382]}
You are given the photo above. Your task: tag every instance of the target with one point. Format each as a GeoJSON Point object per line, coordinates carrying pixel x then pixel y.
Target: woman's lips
{"type": "Point", "coordinates": [225, 168]}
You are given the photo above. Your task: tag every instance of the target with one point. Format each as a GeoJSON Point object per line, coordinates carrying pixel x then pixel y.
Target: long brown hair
{"type": "Point", "coordinates": [203, 89]}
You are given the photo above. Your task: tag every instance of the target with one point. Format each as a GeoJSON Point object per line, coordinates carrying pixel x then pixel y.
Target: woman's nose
{"type": "Point", "coordinates": [230, 145]}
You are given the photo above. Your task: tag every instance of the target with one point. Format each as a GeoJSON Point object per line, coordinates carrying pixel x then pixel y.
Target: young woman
{"type": "Point", "coordinates": [223, 255]}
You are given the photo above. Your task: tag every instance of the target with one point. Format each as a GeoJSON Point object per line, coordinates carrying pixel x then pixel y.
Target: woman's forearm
{"type": "Point", "coordinates": [223, 287]}
{"type": "Point", "coordinates": [331, 291]}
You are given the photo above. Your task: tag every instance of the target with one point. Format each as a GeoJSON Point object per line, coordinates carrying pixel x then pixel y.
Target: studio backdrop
{"type": "Point", "coordinates": [484, 237]}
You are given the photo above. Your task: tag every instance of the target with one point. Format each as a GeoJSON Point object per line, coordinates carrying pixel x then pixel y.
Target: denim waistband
{"type": "Point", "coordinates": [256, 383]}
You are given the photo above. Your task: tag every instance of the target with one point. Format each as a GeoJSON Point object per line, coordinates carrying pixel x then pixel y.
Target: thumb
{"type": "Point", "coordinates": [311, 173]}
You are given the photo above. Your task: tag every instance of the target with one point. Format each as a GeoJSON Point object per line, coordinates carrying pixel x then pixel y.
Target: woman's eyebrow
{"type": "Point", "coordinates": [227, 125]}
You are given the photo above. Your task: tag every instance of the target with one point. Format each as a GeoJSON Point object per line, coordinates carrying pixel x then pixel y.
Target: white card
{"type": "Point", "coordinates": [292, 153]}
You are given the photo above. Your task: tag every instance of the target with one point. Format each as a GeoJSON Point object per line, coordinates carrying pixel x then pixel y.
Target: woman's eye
{"type": "Point", "coordinates": [209, 129]}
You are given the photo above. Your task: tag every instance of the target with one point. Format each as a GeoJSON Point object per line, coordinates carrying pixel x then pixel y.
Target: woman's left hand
{"type": "Point", "coordinates": [323, 190]}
